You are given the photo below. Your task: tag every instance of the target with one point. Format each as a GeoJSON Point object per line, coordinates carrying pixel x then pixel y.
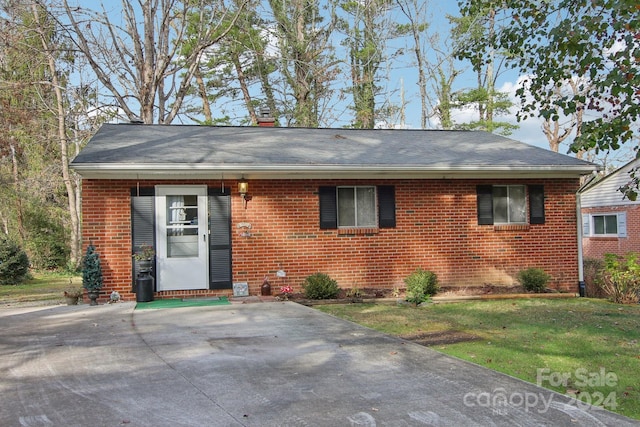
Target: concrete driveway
{"type": "Point", "coordinates": [268, 364]}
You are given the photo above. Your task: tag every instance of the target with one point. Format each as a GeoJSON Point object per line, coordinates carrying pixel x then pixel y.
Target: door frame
{"type": "Point", "coordinates": [191, 273]}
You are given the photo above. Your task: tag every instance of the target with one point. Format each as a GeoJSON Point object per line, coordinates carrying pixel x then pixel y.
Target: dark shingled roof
{"type": "Point", "coordinates": [268, 151]}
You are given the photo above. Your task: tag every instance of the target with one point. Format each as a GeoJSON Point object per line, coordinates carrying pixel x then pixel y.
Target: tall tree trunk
{"type": "Point", "coordinates": [244, 89]}
{"type": "Point", "coordinates": [69, 182]}
{"type": "Point", "coordinates": [202, 92]}
{"type": "Point", "coordinates": [16, 184]}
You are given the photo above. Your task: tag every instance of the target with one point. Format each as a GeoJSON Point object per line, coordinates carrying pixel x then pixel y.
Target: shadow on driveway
{"type": "Point", "coordinates": [269, 364]}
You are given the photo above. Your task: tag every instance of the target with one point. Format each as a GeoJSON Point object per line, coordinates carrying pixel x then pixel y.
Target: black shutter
{"type": "Point", "coordinates": [143, 229]}
{"type": "Point", "coordinates": [328, 208]}
{"type": "Point", "coordinates": [386, 206]}
{"type": "Point", "coordinates": [485, 204]}
{"type": "Point", "coordinates": [219, 241]}
{"type": "Point", "coordinates": [536, 204]}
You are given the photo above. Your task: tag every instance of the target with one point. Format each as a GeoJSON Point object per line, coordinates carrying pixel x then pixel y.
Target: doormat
{"type": "Point", "coordinates": [187, 302]}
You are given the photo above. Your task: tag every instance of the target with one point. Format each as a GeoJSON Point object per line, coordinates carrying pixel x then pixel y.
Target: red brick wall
{"type": "Point", "coordinates": [596, 247]}
{"type": "Point", "coordinates": [436, 230]}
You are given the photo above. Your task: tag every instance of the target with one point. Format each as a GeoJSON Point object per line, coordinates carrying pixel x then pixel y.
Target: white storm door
{"type": "Point", "coordinates": [182, 241]}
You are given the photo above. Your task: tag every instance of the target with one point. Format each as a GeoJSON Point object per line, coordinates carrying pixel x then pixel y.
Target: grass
{"type": "Point", "coordinates": [593, 343]}
{"type": "Point", "coordinates": [43, 287]}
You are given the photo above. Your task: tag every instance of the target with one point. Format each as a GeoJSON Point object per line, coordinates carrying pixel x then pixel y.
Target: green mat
{"type": "Point", "coordinates": [187, 302]}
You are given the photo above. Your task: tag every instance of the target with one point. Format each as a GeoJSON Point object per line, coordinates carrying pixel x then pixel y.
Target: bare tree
{"type": "Point", "coordinates": [146, 66]}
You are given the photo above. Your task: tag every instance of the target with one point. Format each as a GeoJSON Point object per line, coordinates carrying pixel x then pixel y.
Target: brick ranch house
{"type": "Point", "coordinates": [367, 207]}
{"type": "Point", "coordinates": [610, 222]}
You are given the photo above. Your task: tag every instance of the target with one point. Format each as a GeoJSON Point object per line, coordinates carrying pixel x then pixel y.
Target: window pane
{"type": "Point", "coordinates": [611, 224]}
{"type": "Point", "coordinates": [182, 228]}
{"type": "Point", "coordinates": [598, 225]}
{"type": "Point", "coordinates": [346, 207]}
{"type": "Point", "coordinates": [366, 207]}
{"type": "Point", "coordinates": [500, 205]}
{"type": "Point", "coordinates": [517, 204]}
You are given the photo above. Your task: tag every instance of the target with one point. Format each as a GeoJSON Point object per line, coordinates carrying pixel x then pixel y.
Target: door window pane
{"type": "Point", "coordinates": [182, 226]}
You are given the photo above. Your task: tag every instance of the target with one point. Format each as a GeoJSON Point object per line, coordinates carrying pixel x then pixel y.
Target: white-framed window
{"type": "Point", "coordinates": [509, 204]}
{"type": "Point", "coordinates": [356, 206]}
{"type": "Point", "coordinates": [605, 224]}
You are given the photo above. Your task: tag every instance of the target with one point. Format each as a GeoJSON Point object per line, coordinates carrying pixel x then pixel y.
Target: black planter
{"type": "Point", "coordinates": [144, 287]}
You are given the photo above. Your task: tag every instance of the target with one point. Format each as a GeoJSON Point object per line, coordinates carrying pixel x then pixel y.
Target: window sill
{"type": "Point", "coordinates": [603, 238]}
{"type": "Point", "coordinates": [511, 227]}
{"type": "Point", "coordinates": [357, 231]}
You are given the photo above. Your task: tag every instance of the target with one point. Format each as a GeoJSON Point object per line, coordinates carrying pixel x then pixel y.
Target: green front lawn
{"type": "Point", "coordinates": [46, 288]}
{"type": "Point", "coordinates": [584, 347]}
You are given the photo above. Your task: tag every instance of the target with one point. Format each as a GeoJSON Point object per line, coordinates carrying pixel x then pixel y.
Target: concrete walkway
{"type": "Point", "coordinates": [268, 364]}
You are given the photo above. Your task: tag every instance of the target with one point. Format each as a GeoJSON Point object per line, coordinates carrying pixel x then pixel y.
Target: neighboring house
{"type": "Point", "coordinates": [367, 207]}
{"type": "Point", "coordinates": [610, 222]}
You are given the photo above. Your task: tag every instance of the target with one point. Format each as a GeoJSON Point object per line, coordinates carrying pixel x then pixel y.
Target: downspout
{"type": "Point", "coordinates": [581, 284]}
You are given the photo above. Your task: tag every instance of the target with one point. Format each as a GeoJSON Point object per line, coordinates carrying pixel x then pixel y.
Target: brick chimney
{"type": "Point", "coordinates": [265, 119]}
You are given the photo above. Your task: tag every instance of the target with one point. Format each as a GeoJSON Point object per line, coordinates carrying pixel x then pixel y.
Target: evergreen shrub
{"type": "Point", "coordinates": [14, 263]}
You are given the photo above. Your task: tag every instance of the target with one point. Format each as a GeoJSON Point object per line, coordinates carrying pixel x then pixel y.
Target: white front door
{"type": "Point", "coordinates": [182, 240]}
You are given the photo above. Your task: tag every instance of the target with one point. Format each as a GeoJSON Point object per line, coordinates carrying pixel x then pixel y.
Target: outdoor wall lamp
{"type": "Point", "coordinates": [243, 189]}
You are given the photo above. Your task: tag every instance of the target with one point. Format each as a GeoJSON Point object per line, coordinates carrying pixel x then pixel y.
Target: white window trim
{"type": "Point", "coordinates": [621, 223]}
{"type": "Point", "coordinates": [526, 205]}
{"type": "Point", "coordinates": [375, 204]}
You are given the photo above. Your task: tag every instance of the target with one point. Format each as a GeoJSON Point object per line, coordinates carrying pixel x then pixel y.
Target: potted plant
{"type": "Point", "coordinates": [92, 274]}
{"type": "Point", "coordinates": [72, 294]}
{"type": "Point", "coordinates": [144, 257]}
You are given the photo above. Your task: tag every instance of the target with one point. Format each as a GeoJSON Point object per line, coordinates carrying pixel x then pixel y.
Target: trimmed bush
{"type": "Point", "coordinates": [421, 284]}
{"type": "Point", "coordinates": [320, 286]}
{"type": "Point", "coordinates": [533, 279]}
{"type": "Point", "coordinates": [14, 263]}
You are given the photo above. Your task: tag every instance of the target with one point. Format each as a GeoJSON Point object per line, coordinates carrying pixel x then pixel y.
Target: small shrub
{"type": "Point", "coordinates": [92, 270]}
{"type": "Point", "coordinates": [354, 293]}
{"type": "Point", "coordinates": [533, 279]}
{"type": "Point", "coordinates": [621, 278]}
{"type": "Point", "coordinates": [421, 285]}
{"type": "Point", "coordinates": [14, 263]}
{"type": "Point", "coordinates": [320, 286]}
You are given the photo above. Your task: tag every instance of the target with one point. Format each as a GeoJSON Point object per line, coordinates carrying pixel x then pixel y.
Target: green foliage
{"type": "Point", "coordinates": [421, 284]}
{"type": "Point", "coordinates": [91, 270]}
{"type": "Point", "coordinates": [533, 279]}
{"type": "Point", "coordinates": [621, 278]}
{"type": "Point", "coordinates": [47, 239]}
{"type": "Point", "coordinates": [553, 42]}
{"type": "Point", "coordinates": [14, 263]}
{"type": "Point", "coordinates": [320, 286]}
